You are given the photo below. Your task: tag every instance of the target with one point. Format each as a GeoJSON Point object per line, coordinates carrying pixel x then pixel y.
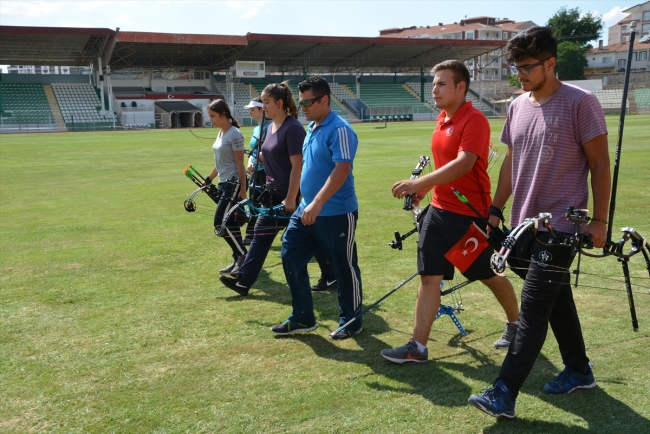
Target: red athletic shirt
{"type": "Point", "coordinates": [468, 130]}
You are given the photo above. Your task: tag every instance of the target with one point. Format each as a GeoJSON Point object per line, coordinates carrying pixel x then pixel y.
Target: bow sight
{"type": "Point", "coordinates": [423, 162]}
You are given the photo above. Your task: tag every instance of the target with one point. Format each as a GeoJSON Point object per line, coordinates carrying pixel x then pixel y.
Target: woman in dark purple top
{"type": "Point", "coordinates": [282, 154]}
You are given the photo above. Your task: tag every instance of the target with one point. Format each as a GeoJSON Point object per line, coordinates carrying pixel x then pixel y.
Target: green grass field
{"type": "Point", "coordinates": [112, 318]}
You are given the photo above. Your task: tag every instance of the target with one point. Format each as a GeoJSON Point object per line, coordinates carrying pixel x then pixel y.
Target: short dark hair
{"type": "Point", "coordinates": [536, 42]}
{"type": "Point", "coordinates": [459, 70]}
{"type": "Point", "coordinates": [318, 85]}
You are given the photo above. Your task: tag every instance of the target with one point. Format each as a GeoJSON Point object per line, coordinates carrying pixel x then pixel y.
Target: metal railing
{"type": "Point", "coordinates": [27, 121]}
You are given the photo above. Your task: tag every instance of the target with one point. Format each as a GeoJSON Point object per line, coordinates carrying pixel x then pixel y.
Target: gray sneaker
{"type": "Point", "coordinates": [238, 263]}
{"type": "Point", "coordinates": [508, 336]}
{"type": "Point", "coordinates": [406, 353]}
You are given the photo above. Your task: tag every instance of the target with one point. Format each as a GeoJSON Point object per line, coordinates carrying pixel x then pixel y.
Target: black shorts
{"type": "Point", "coordinates": [440, 230]}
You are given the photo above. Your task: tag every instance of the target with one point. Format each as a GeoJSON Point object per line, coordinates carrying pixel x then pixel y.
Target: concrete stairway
{"type": "Point", "coordinates": [56, 113]}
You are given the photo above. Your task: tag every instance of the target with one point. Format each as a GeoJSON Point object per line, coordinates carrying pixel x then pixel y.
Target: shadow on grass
{"type": "Point", "coordinates": [434, 381]}
{"type": "Point", "coordinates": [265, 289]}
{"type": "Point", "coordinates": [602, 412]}
{"type": "Point", "coordinates": [443, 389]}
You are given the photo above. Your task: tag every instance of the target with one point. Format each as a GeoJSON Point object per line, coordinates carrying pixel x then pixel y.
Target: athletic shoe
{"type": "Point", "coordinates": [345, 333]}
{"type": "Point", "coordinates": [507, 336]}
{"type": "Point", "coordinates": [570, 380]}
{"type": "Point", "coordinates": [238, 263]}
{"type": "Point", "coordinates": [496, 401]}
{"type": "Point", "coordinates": [235, 285]}
{"type": "Point", "coordinates": [289, 328]}
{"type": "Point", "coordinates": [406, 353]}
{"type": "Point", "coordinates": [230, 267]}
{"type": "Point", "coordinates": [325, 284]}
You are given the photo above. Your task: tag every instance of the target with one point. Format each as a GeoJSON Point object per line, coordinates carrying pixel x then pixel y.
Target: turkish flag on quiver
{"type": "Point", "coordinates": [465, 251]}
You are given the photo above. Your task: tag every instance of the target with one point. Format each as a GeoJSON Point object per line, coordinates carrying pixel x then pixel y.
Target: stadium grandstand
{"type": "Point", "coordinates": [161, 80]}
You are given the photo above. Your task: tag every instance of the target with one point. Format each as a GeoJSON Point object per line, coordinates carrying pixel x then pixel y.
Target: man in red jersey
{"type": "Point", "coordinates": [460, 147]}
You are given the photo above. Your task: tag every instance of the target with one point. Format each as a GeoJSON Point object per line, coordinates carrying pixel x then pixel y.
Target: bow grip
{"type": "Point", "coordinates": [408, 202]}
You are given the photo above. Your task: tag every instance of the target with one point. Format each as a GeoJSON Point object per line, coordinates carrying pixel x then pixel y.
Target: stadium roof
{"type": "Point", "coordinates": [281, 53]}
{"type": "Point", "coordinates": [284, 53]}
{"type": "Point", "coordinates": [52, 45]}
{"type": "Point", "coordinates": [167, 50]}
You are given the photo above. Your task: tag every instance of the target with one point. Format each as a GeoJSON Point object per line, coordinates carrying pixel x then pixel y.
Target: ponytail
{"type": "Point", "coordinates": [282, 92]}
{"type": "Point", "coordinates": [290, 104]}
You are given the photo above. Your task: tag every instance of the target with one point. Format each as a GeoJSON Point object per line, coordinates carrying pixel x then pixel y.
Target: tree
{"type": "Point", "coordinates": [573, 32]}
{"type": "Point", "coordinates": [569, 25]}
{"type": "Point", "coordinates": [513, 80]}
{"type": "Point", "coordinates": [571, 61]}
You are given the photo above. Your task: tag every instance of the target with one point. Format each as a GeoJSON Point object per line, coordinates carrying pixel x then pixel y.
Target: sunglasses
{"type": "Point", "coordinates": [525, 70]}
{"type": "Point", "coordinates": [309, 102]}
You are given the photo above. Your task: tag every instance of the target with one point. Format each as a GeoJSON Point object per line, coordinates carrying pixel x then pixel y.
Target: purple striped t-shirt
{"type": "Point", "coordinates": [549, 166]}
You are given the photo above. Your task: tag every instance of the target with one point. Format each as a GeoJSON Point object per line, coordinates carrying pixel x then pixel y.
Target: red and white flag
{"type": "Point", "coordinates": [465, 251]}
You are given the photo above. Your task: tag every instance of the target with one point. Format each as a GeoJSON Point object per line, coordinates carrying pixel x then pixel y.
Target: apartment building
{"type": "Point", "coordinates": [488, 67]}
{"type": "Point", "coordinates": [620, 32]}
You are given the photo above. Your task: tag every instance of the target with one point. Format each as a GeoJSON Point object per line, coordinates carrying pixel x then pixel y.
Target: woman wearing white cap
{"type": "Point", "coordinates": [255, 166]}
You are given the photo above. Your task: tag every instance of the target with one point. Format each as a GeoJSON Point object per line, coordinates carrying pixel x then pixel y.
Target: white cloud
{"type": "Point", "coordinates": [251, 13]}
{"type": "Point", "coordinates": [614, 15]}
{"type": "Point", "coordinates": [91, 5]}
{"type": "Point", "coordinates": [30, 8]}
{"type": "Point", "coordinates": [235, 4]}
{"type": "Point", "coordinates": [252, 7]}
{"type": "Point", "coordinates": [123, 19]}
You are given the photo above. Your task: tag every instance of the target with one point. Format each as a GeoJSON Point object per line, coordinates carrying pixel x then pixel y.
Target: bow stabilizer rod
{"type": "Point", "coordinates": [621, 124]}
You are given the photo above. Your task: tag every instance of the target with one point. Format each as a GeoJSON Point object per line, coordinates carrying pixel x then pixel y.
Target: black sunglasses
{"type": "Point", "coordinates": [308, 102]}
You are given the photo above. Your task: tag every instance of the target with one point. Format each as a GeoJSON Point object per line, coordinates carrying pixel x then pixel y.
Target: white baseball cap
{"type": "Point", "coordinates": [253, 104]}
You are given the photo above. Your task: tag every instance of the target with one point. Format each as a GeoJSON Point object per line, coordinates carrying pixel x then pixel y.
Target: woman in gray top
{"type": "Point", "coordinates": [229, 168]}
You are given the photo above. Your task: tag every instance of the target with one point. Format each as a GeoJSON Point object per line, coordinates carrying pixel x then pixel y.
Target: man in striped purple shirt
{"type": "Point", "coordinates": [556, 137]}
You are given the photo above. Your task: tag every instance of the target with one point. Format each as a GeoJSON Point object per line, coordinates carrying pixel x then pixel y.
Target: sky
{"type": "Point", "coordinates": [322, 18]}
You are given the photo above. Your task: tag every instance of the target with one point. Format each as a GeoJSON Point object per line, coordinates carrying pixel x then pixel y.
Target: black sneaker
{"type": "Point", "coordinates": [406, 353]}
{"type": "Point", "coordinates": [238, 263]}
{"type": "Point", "coordinates": [234, 284]}
{"type": "Point", "coordinates": [345, 333]}
{"type": "Point", "coordinates": [507, 336]}
{"type": "Point", "coordinates": [496, 401]}
{"type": "Point", "coordinates": [325, 284]}
{"type": "Point", "coordinates": [289, 328]}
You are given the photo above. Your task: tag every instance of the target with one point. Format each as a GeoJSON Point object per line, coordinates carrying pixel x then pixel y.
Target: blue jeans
{"type": "Point", "coordinates": [335, 237]}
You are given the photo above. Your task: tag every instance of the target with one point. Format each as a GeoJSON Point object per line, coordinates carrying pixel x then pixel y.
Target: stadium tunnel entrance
{"type": "Point", "coordinates": [182, 114]}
